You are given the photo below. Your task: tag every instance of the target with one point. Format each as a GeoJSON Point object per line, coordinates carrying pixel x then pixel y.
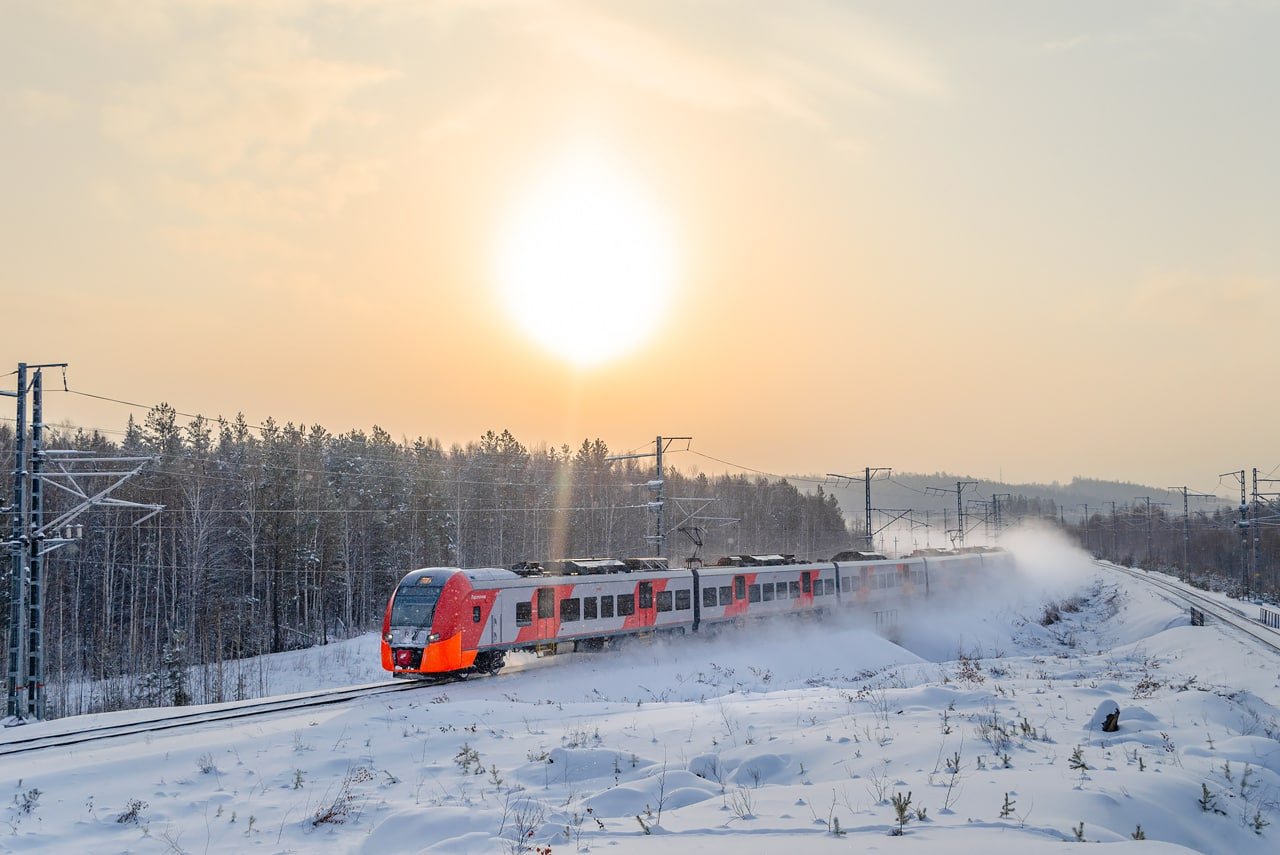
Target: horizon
{"type": "Point", "coordinates": [694, 464]}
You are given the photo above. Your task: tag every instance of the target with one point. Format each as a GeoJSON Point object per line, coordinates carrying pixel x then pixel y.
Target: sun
{"type": "Point", "coordinates": [584, 263]}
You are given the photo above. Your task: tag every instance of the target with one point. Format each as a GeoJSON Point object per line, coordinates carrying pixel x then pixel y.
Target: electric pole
{"type": "Point", "coordinates": [1115, 555]}
{"type": "Point", "coordinates": [657, 485]}
{"type": "Point", "coordinates": [32, 537]}
{"type": "Point", "coordinates": [1186, 527]}
{"type": "Point", "coordinates": [1086, 526]}
{"type": "Point", "coordinates": [995, 502]}
{"type": "Point", "coordinates": [1253, 528]}
{"type": "Point", "coordinates": [1244, 528]}
{"type": "Point", "coordinates": [959, 491]}
{"type": "Point", "coordinates": [868, 473]}
{"type": "Point", "coordinates": [1147, 561]}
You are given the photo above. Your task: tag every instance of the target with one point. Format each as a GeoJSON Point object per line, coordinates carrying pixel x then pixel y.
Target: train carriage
{"type": "Point", "coordinates": [751, 587]}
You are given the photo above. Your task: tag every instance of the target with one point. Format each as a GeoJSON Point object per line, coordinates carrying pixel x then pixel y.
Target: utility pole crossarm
{"type": "Point", "coordinates": [868, 474]}
{"type": "Point", "coordinates": [660, 445]}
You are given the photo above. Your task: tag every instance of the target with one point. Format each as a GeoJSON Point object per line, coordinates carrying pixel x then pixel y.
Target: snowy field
{"type": "Point", "coordinates": [977, 719]}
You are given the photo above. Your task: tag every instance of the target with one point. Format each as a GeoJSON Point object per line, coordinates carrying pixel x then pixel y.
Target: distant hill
{"type": "Point", "coordinates": [912, 490]}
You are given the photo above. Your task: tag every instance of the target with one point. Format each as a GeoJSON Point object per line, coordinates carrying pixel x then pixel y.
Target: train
{"type": "Point", "coordinates": [447, 620]}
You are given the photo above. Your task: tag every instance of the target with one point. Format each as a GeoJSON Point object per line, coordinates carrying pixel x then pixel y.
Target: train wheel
{"type": "Point", "coordinates": [489, 662]}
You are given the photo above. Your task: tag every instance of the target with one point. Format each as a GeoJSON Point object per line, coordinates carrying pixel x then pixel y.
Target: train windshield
{"type": "Point", "coordinates": [414, 605]}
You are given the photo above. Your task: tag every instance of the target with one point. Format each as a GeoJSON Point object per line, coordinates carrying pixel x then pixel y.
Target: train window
{"type": "Point", "coordinates": [588, 608]}
{"type": "Point", "coordinates": [475, 614]}
{"type": "Point", "coordinates": [646, 595]}
{"type": "Point", "coordinates": [664, 601]}
{"type": "Point", "coordinates": [414, 606]}
{"type": "Point", "coordinates": [831, 587]}
{"type": "Point", "coordinates": [766, 591]}
{"type": "Point", "coordinates": [726, 595]}
{"type": "Point", "coordinates": [844, 585]}
{"type": "Point", "coordinates": [546, 603]}
{"type": "Point", "coordinates": [917, 577]}
{"type": "Point", "coordinates": [795, 590]}
{"type": "Point", "coordinates": [739, 587]}
{"type": "Point", "coordinates": [753, 593]}
{"type": "Point", "coordinates": [626, 605]}
{"type": "Point", "coordinates": [570, 609]}
{"type": "Point", "coordinates": [606, 606]}
{"type": "Point", "coordinates": [524, 614]}
{"type": "Point", "coordinates": [684, 600]}
{"type": "Point", "coordinates": [708, 596]}
{"type": "Point", "coordinates": [806, 583]}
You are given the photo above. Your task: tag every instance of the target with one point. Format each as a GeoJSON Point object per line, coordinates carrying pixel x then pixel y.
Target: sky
{"type": "Point", "coordinates": [1030, 243]}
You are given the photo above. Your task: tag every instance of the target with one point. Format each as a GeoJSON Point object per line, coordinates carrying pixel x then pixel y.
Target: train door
{"type": "Point", "coordinates": [646, 612]}
{"type": "Point", "coordinates": [495, 622]}
{"type": "Point", "coordinates": [545, 623]}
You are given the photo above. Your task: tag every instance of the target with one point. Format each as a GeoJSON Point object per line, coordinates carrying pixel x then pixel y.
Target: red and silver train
{"type": "Point", "coordinates": [443, 620]}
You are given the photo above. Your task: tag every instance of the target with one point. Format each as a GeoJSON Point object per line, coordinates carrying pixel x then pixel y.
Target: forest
{"type": "Point", "coordinates": [275, 537]}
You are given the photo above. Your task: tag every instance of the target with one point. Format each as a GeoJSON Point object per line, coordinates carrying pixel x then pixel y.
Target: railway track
{"type": "Point", "coordinates": [1220, 612]}
{"type": "Point", "coordinates": [15, 741]}
{"type": "Point", "coordinates": [22, 739]}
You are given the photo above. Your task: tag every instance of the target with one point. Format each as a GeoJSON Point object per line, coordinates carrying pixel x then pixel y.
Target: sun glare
{"type": "Point", "coordinates": [584, 264]}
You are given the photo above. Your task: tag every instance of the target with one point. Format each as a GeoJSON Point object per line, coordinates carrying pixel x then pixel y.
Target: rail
{"type": "Point", "coordinates": [1203, 606]}
{"type": "Point", "coordinates": [26, 738]}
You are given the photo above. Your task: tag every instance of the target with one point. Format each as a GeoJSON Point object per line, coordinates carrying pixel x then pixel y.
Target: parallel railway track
{"type": "Point", "coordinates": [1224, 614]}
{"type": "Point", "coordinates": [15, 740]}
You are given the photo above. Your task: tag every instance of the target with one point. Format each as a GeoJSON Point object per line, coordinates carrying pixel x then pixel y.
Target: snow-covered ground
{"type": "Point", "coordinates": [778, 735]}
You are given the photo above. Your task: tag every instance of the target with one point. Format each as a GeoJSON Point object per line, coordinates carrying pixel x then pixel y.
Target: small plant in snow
{"type": "Point", "coordinates": [1076, 761]}
{"type": "Point", "coordinates": [205, 764]}
{"type": "Point", "coordinates": [1079, 832]}
{"type": "Point", "coordinates": [742, 803]}
{"type": "Point", "coordinates": [1139, 834]}
{"type": "Point", "coordinates": [337, 811]}
{"type": "Point", "coordinates": [991, 730]}
{"type": "Point", "coordinates": [468, 759]}
{"type": "Point", "coordinates": [1209, 801]}
{"type": "Point", "coordinates": [1006, 810]}
{"type": "Point", "coordinates": [29, 801]}
{"type": "Point", "coordinates": [132, 810]}
{"type": "Point", "coordinates": [902, 811]}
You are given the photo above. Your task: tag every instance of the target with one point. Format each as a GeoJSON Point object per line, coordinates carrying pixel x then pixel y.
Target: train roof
{"type": "Point", "coordinates": [589, 566]}
{"type": "Point", "coordinates": [855, 555]}
{"type": "Point", "coordinates": [478, 574]}
{"type": "Point", "coordinates": [773, 560]}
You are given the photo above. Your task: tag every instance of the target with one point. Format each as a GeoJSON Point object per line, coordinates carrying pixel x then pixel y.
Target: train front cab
{"type": "Point", "coordinates": [422, 627]}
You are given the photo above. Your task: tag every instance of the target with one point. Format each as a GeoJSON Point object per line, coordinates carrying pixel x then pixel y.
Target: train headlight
{"type": "Point", "coordinates": [435, 636]}
{"type": "Point", "coordinates": [386, 636]}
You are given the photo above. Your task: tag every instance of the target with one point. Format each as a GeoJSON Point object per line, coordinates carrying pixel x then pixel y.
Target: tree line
{"type": "Point", "coordinates": [277, 537]}
{"type": "Point", "coordinates": [1207, 548]}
